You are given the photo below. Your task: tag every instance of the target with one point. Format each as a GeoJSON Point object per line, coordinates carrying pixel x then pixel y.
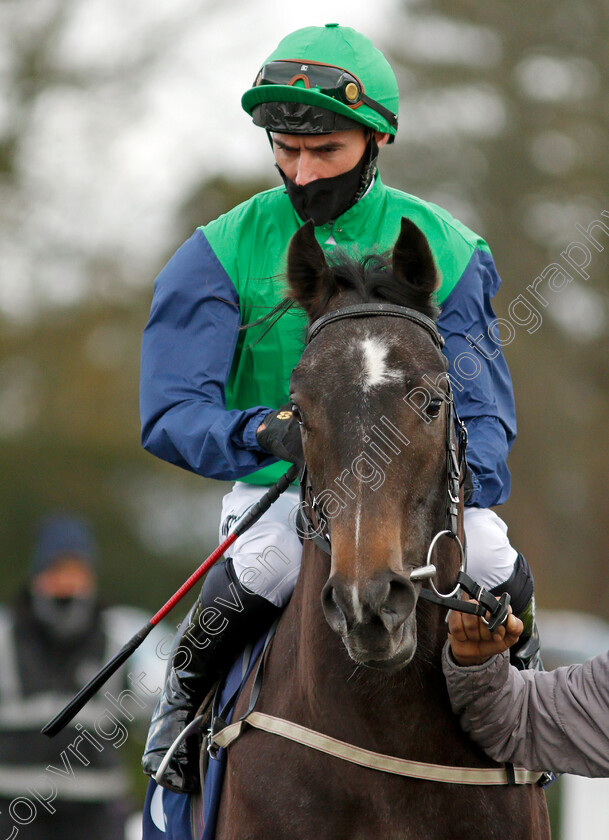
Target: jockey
{"type": "Point", "coordinates": [210, 392]}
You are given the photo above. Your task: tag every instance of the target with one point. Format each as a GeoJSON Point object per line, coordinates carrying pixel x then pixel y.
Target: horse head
{"type": "Point", "coordinates": [373, 398]}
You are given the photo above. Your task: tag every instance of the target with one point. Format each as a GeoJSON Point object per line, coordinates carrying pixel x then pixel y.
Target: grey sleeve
{"type": "Point", "coordinates": [556, 720]}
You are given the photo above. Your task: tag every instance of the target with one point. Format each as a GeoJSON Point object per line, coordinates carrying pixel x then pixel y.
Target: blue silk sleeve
{"type": "Point", "coordinates": [187, 353]}
{"type": "Point", "coordinates": [481, 380]}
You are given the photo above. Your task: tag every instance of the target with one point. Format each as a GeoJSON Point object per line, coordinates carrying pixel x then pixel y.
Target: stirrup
{"type": "Point", "coordinates": [194, 726]}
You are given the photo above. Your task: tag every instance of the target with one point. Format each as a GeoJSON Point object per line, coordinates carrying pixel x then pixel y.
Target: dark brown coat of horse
{"type": "Point", "coordinates": [357, 654]}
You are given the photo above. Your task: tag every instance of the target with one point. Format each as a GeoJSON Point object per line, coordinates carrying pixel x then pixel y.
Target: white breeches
{"type": "Point", "coordinates": [267, 557]}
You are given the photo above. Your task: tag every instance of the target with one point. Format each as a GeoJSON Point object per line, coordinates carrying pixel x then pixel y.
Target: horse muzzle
{"type": "Point", "coordinates": [375, 619]}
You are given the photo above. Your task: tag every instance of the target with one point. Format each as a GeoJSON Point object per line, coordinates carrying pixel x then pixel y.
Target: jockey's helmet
{"type": "Point", "coordinates": [322, 79]}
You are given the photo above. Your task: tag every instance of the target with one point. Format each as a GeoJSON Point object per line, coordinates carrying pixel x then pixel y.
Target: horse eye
{"type": "Point", "coordinates": [296, 413]}
{"type": "Point", "coordinates": [433, 409]}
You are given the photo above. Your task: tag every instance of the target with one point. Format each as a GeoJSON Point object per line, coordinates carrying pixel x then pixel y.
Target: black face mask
{"type": "Point", "coordinates": [64, 618]}
{"type": "Point", "coordinates": [326, 199]}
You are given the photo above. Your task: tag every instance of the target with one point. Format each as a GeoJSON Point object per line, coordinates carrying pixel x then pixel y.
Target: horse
{"type": "Point", "coordinates": [356, 654]}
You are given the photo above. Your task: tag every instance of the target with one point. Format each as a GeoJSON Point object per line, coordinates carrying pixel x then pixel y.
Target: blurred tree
{"type": "Point", "coordinates": [217, 195]}
{"type": "Point", "coordinates": [504, 121]}
{"type": "Point", "coordinates": [97, 142]}
{"type": "Point", "coordinates": [72, 273]}
{"type": "Point", "coordinates": [69, 432]}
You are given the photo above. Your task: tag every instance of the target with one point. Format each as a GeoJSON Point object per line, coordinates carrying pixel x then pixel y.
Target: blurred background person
{"type": "Point", "coordinates": [54, 635]}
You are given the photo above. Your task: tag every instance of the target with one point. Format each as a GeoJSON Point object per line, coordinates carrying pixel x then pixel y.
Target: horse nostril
{"type": "Point", "coordinates": [398, 602]}
{"type": "Point", "coordinates": [401, 591]}
{"type": "Point", "coordinates": [385, 601]}
{"type": "Point", "coordinates": [327, 596]}
{"type": "Point", "coordinates": [333, 612]}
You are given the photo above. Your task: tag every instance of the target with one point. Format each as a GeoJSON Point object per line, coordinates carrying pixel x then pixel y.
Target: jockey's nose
{"type": "Point", "coordinates": [305, 172]}
{"type": "Point", "coordinates": [386, 600]}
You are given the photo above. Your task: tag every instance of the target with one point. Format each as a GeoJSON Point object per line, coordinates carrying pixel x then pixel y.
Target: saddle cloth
{"type": "Point", "coordinates": [181, 816]}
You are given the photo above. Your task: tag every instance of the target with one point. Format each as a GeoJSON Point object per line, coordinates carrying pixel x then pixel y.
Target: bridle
{"type": "Point", "coordinates": [456, 466]}
{"type": "Point", "coordinates": [222, 735]}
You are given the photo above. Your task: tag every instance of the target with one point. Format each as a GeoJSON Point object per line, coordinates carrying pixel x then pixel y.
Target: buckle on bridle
{"type": "Point", "coordinates": [497, 607]}
{"type": "Point", "coordinates": [217, 723]}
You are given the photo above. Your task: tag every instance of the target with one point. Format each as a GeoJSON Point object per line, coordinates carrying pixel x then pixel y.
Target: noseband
{"type": "Point", "coordinates": [456, 465]}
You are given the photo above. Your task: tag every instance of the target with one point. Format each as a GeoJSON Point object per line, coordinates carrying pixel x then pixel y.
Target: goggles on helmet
{"type": "Point", "coordinates": [332, 81]}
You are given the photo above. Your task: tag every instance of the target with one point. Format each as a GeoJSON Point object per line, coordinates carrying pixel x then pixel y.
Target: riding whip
{"type": "Point", "coordinates": [84, 695]}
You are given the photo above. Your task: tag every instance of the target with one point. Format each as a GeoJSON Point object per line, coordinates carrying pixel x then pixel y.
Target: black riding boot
{"type": "Point", "coordinates": [223, 619]}
{"type": "Point", "coordinates": [526, 652]}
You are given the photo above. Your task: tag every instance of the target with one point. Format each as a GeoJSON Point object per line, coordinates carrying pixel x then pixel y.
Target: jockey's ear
{"type": "Point", "coordinates": [310, 279]}
{"type": "Point", "coordinates": [412, 260]}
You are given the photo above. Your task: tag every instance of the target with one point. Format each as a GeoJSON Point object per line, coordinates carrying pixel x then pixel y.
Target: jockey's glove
{"type": "Point", "coordinates": [281, 436]}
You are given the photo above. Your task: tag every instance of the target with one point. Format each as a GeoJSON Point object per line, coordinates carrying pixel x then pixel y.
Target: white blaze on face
{"type": "Point", "coordinates": [376, 370]}
{"type": "Point", "coordinates": [357, 604]}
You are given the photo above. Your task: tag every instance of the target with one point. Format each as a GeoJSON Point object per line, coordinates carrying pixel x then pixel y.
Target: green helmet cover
{"type": "Point", "coordinates": [339, 46]}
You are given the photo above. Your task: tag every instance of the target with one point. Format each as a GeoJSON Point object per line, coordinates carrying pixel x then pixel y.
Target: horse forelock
{"type": "Point", "coordinates": [373, 279]}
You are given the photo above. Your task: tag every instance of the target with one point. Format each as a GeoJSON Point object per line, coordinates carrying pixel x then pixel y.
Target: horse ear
{"type": "Point", "coordinates": [412, 259]}
{"type": "Point", "coordinates": [309, 276]}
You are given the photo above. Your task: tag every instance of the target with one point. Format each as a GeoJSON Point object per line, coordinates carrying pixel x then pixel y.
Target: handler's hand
{"type": "Point", "coordinates": [471, 641]}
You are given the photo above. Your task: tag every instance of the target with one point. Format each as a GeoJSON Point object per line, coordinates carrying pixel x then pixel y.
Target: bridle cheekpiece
{"type": "Point", "coordinates": [456, 466]}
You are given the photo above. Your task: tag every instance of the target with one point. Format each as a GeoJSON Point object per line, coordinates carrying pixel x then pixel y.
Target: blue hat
{"type": "Point", "coordinates": [59, 535]}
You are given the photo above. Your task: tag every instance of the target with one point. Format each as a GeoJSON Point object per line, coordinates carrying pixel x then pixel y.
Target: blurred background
{"type": "Point", "coordinates": [121, 130]}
